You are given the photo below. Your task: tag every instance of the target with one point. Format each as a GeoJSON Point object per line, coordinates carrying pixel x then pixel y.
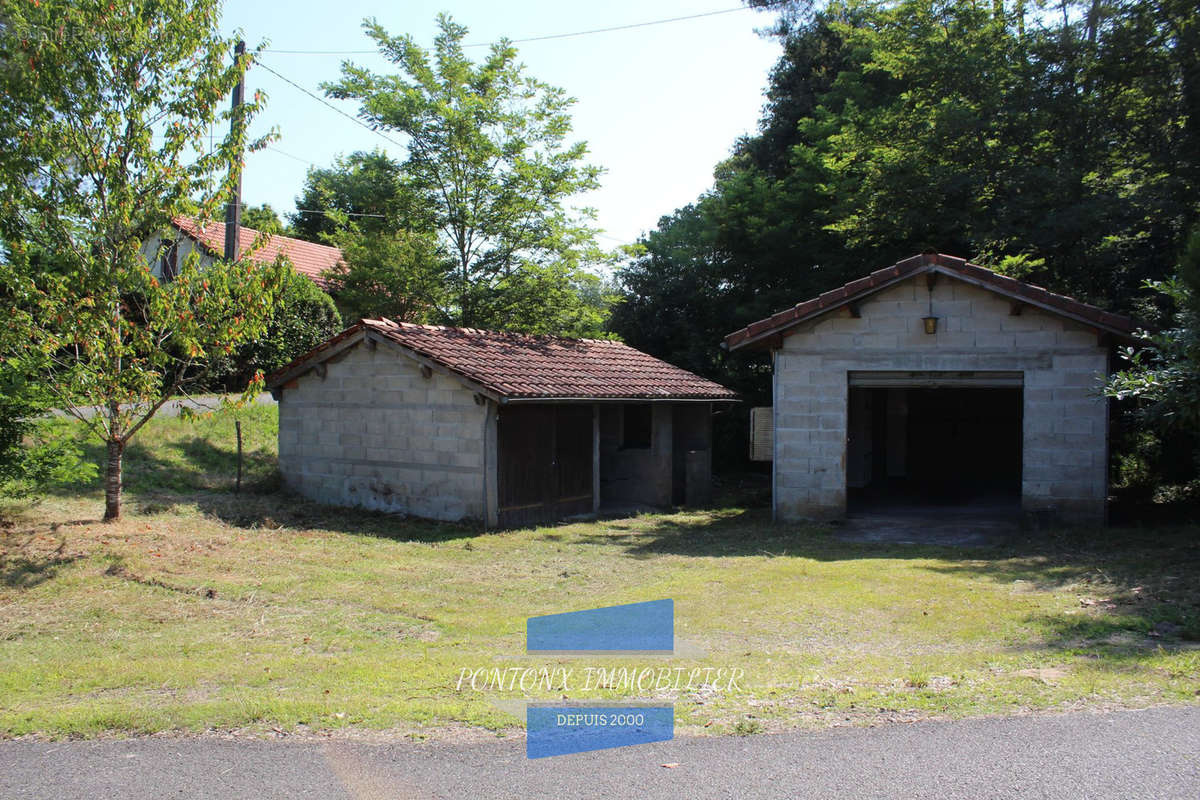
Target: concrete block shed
{"type": "Point", "coordinates": [939, 383]}
{"type": "Point", "coordinates": [506, 428]}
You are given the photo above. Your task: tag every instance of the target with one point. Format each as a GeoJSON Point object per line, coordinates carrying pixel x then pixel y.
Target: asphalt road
{"type": "Point", "coordinates": [1154, 753]}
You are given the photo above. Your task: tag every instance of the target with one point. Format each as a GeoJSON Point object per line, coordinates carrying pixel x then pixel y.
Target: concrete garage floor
{"type": "Point", "coordinates": [981, 524]}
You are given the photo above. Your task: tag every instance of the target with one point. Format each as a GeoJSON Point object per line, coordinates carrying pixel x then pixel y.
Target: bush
{"type": "Point", "coordinates": [33, 452]}
{"type": "Point", "coordinates": [1161, 383]}
{"type": "Point", "coordinates": [304, 318]}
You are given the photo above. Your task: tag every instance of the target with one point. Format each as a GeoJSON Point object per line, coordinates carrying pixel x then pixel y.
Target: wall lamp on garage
{"type": "Point", "coordinates": [930, 321]}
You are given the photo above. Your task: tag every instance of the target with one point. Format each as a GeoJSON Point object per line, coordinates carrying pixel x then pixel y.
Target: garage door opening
{"type": "Point", "coordinates": [934, 446]}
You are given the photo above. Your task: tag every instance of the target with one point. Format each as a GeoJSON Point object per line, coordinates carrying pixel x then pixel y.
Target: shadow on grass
{"type": "Point", "coordinates": [742, 532]}
{"type": "Point", "coordinates": [276, 509]}
{"type": "Point", "coordinates": [194, 463]}
{"type": "Point", "coordinates": [1138, 588]}
{"type": "Point", "coordinates": [25, 573]}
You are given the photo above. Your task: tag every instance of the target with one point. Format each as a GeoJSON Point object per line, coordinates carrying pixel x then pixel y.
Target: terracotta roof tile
{"type": "Point", "coordinates": [307, 258]}
{"type": "Point", "coordinates": [915, 265]}
{"type": "Point", "coordinates": [516, 365]}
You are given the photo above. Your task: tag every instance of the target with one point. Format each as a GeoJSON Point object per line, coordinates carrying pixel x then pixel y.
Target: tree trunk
{"type": "Point", "coordinates": [1093, 22]}
{"type": "Point", "coordinates": [112, 480]}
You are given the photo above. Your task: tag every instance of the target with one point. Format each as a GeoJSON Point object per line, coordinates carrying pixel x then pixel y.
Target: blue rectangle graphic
{"type": "Point", "coordinates": [636, 626]}
{"type": "Point", "coordinates": [559, 730]}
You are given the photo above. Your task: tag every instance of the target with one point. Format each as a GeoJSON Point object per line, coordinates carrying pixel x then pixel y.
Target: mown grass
{"type": "Point", "coordinates": [204, 610]}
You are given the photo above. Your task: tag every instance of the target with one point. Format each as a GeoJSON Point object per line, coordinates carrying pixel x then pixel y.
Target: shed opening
{"type": "Point", "coordinates": [934, 446]}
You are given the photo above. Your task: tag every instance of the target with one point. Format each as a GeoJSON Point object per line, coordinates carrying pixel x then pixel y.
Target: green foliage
{"type": "Point", "coordinates": [33, 454]}
{"type": "Point", "coordinates": [262, 219]}
{"type": "Point", "coordinates": [303, 317]}
{"type": "Point", "coordinates": [747, 727]}
{"type": "Point", "coordinates": [369, 189]}
{"type": "Point", "coordinates": [104, 139]}
{"type": "Point", "coordinates": [394, 274]}
{"type": "Point", "coordinates": [1060, 149]}
{"type": "Point", "coordinates": [1164, 375]}
{"type": "Point", "coordinates": [490, 164]}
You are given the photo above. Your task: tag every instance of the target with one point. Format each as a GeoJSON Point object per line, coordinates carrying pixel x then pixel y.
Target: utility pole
{"type": "Point", "coordinates": [233, 210]}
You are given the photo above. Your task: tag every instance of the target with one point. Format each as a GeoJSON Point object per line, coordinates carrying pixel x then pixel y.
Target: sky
{"type": "Point", "coordinates": [659, 106]}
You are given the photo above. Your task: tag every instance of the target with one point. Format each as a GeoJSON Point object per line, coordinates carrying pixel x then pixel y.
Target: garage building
{"type": "Point", "coordinates": [937, 382]}
{"type": "Point", "coordinates": [506, 428]}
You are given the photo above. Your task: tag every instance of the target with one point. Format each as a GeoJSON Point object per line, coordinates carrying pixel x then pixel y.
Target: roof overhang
{"type": "Point", "coordinates": [360, 333]}
{"type": "Point", "coordinates": [768, 333]}
{"type": "Point", "coordinates": [317, 356]}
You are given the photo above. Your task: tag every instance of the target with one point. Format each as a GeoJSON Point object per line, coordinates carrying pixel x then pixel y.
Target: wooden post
{"type": "Point", "coordinates": [233, 209]}
{"type": "Point", "coordinates": [596, 459]}
{"type": "Point", "coordinates": [237, 424]}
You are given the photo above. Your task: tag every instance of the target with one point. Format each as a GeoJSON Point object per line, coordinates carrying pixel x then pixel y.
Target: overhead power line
{"type": "Point", "coordinates": [292, 157]}
{"type": "Point", "coordinates": [545, 38]}
{"type": "Point", "coordinates": [327, 213]}
{"type": "Point", "coordinates": [347, 213]}
{"type": "Point", "coordinates": [331, 106]}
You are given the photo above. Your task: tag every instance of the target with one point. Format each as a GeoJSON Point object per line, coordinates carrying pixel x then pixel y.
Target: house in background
{"type": "Point", "coordinates": [166, 253]}
{"type": "Point", "coordinates": [507, 428]}
{"type": "Point", "coordinates": [938, 382]}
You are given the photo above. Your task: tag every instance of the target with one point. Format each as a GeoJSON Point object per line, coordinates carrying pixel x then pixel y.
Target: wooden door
{"type": "Point", "coordinates": [545, 462]}
{"type": "Point", "coordinates": [573, 460]}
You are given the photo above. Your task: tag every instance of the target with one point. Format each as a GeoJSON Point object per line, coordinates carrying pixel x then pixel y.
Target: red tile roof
{"type": "Point", "coordinates": [516, 365]}
{"type": "Point", "coordinates": [916, 265]}
{"type": "Point", "coordinates": [308, 259]}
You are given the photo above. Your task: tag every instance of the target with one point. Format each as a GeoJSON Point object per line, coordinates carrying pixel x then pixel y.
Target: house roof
{"type": "Point", "coordinates": [308, 258]}
{"type": "Point", "coordinates": [510, 366]}
{"type": "Point", "coordinates": [1019, 291]}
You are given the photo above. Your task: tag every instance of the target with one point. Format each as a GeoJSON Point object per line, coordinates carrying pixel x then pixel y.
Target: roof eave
{"type": "Point", "coordinates": [1033, 301]}
{"type": "Point", "coordinates": [765, 335]}
{"type": "Point", "coordinates": [786, 326]}
{"type": "Point", "coordinates": [368, 332]}
{"type": "Point", "coordinates": [436, 366]}
{"type": "Point", "coordinates": [318, 355]}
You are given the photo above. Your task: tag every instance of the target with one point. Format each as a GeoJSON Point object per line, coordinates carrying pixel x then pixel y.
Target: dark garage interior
{"type": "Point", "coordinates": [553, 458]}
{"type": "Point", "coordinates": [934, 447]}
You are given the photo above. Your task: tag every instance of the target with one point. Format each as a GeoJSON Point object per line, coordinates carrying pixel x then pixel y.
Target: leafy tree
{"type": "Point", "coordinates": [103, 141]}
{"type": "Point", "coordinates": [1059, 148]}
{"type": "Point", "coordinates": [1164, 375]}
{"type": "Point", "coordinates": [303, 317]}
{"type": "Point", "coordinates": [391, 274]}
{"type": "Point", "coordinates": [32, 455]}
{"type": "Point", "coordinates": [489, 158]}
{"type": "Point", "coordinates": [369, 189]}
{"type": "Point", "coordinates": [262, 219]}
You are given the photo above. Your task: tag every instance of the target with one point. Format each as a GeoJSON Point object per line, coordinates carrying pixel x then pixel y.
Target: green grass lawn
{"type": "Point", "coordinates": [203, 609]}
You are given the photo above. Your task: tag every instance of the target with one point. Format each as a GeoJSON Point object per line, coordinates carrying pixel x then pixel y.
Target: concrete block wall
{"type": "Point", "coordinates": [636, 476]}
{"type": "Point", "coordinates": [1064, 445]}
{"type": "Point", "coordinates": [376, 434]}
